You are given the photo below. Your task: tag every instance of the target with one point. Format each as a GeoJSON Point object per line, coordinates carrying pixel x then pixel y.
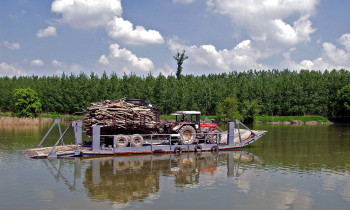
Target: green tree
{"type": "Point", "coordinates": [228, 110]}
{"type": "Point", "coordinates": [180, 57]}
{"type": "Point", "coordinates": [251, 109]}
{"type": "Point", "coordinates": [344, 99]}
{"type": "Point", "coordinates": [27, 102]}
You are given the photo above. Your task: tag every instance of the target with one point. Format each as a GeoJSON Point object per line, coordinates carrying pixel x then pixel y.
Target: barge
{"type": "Point", "coordinates": [237, 136]}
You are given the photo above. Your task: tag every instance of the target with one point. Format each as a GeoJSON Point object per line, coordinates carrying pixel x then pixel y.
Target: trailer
{"type": "Point", "coordinates": [237, 136]}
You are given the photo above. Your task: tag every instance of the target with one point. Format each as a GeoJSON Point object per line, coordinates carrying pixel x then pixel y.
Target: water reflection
{"type": "Point", "coordinates": [126, 178]}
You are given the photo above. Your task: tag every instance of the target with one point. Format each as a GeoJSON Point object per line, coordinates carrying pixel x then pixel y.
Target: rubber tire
{"type": "Point", "coordinates": [122, 141]}
{"type": "Point", "coordinates": [136, 140]}
{"type": "Point", "coordinates": [191, 131]}
{"type": "Point", "coordinates": [198, 148]}
{"type": "Point", "coordinates": [211, 137]}
{"type": "Point", "coordinates": [177, 150]}
{"type": "Point", "coordinates": [214, 148]}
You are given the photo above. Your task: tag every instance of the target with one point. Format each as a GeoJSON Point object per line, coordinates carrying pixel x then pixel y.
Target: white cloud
{"type": "Point", "coordinates": [58, 64]}
{"type": "Point", "coordinates": [63, 67]}
{"type": "Point", "coordinates": [207, 59]}
{"type": "Point", "coordinates": [37, 62]}
{"type": "Point", "coordinates": [265, 21]}
{"type": "Point", "coordinates": [10, 70]}
{"type": "Point", "coordinates": [123, 60]}
{"type": "Point", "coordinates": [49, 31]}
{"type": "Point", "coordinates": [331, 57]}
{"type": "Point", "coordinates": [291, 34]}
{"type": "Point", "coordinates": [11, 46]}
{"type": "Point", "coordinates": [103, 60]}
{"type": "Point", "coordinates": [107, 13]}
{"type": "Point", "coordinates": [334, 55]}
{"type": "Point", "coordinates": [184, 1]}
{"type": "Point", "coordinates": [76, 68]}
{"type": "Point", "coordinates": [345, 41]}
{"type": "Point", "coordinates": [122, 30]}
{"type": "Point", "coordinates": [86, 13]}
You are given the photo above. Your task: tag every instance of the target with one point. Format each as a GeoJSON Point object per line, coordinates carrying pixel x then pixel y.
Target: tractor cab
{"type": "Point", "coordinates": [188, 117]}
{"type": "Point", "coordinates": [192, 118]}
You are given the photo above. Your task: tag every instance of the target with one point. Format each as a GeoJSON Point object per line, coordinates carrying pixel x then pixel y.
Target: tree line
{"type": "Point", "coordinates": [277, 93]}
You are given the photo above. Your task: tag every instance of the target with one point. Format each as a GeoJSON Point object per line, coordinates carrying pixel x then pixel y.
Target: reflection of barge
{"type": "Point", "coordinates": [234, 138]}
{"type": "Point", "coordinates": [126, 178]}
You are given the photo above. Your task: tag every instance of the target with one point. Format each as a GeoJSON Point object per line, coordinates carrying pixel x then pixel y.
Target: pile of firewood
{"type": "Point", "coordinates": [120, 116]}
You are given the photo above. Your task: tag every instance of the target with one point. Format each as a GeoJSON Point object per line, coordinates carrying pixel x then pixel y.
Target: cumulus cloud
{"type": "Point", "coordinates": [11, 46]}
{"type": "Point", "coordinates": [104, 13]}
{"type": "Point", "coordinates": [265, 21]}
{"type": "Point", "coordinates": [49, 31]}
{"type": "Point", "coordinates": [123, 30]}
{"type": "Point", "coordinates": [208, 59]}
{"type": "Point", "coordinates": [63, 67]}
{"type": "Point", "coordinates": [86, 13]}
{"type": "Point", "coordinates": [123, 60]}
{"type": "Point", "coordinates": [10, 70]}
{"type": "Point", "coordinates": [332, 57]}
{"type": "Point", "coordinates": [37, 62]}
{"type": "Point", "coordinates": [58, 64]}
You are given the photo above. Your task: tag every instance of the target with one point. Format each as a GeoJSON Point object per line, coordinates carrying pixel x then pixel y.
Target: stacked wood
{"type": "Point", "coordinates": [123, 116]}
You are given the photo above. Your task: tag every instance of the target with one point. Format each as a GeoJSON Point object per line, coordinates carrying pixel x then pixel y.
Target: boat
{"type": "Point", "coordinates": [236, 137]}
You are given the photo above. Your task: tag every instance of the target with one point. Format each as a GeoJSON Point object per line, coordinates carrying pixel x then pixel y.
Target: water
{"type": "Point", "coordinates": [291, 167]}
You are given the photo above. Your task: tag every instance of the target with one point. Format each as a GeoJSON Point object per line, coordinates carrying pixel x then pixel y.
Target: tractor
{"type": "Point", "coordinates": [190, 128]}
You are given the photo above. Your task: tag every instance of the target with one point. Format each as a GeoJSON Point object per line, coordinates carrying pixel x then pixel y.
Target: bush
{"type": "Point", "coordinates": [27, 103]}
{"type": "Point", "coordinates": [251, 110]}
{"type": "Point", "coordinates": [228, 110]}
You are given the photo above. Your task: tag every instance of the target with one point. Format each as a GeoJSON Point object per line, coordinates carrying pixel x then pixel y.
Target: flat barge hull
{"type": "Point", "coordinates": [234, 141]}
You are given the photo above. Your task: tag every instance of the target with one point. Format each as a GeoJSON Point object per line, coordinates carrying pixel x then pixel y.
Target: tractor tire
{"type": "Point", "coordinates": [122, 141]}
{"type": "Point", "coordinates": [187, 134]}
{"type": "Point", "coordinates": [212, 137]}
{"type": "Point", "coordinates": [136, 140]}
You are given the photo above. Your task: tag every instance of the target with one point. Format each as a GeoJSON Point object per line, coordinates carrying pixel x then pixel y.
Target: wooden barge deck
{"type": "Point", "coordinates": [234, 139]}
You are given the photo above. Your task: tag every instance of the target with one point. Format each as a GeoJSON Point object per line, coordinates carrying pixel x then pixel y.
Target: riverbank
{"type": "Point", "coordinates": [7, 118]}
{"type": "Point", "coordinates": [292, 120]}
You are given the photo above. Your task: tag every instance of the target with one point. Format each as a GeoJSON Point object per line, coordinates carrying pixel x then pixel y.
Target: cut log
{"type": "Point", "coordinates": [125, 116]}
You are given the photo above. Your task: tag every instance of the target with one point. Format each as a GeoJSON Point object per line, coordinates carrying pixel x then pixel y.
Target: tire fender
{"type": "Point", "coordinates": [177, 150]}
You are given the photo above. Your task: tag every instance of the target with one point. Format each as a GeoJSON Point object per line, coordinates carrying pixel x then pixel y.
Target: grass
{"type": "Point", "coordinates": [5, 114]}
{"type": "Point", "coordinates": [290, 118]}
{"type": "Point", "coordinates": [64, 117]}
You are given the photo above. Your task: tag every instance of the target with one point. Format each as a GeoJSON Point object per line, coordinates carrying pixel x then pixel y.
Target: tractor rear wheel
{"type": "Point", "coordinates": [187, 134]}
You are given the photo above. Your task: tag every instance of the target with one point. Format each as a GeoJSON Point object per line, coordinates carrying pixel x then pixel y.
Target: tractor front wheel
{"type": "Point", "coordinates": [187, 134]}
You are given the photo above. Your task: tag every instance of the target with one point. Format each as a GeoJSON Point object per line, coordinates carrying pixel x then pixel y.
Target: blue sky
{"type": "Point", "coordinates": [124, 36]}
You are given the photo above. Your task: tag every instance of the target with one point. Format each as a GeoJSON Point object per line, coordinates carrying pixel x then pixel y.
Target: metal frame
{"type": "Point", "coordinates": [57, 121]}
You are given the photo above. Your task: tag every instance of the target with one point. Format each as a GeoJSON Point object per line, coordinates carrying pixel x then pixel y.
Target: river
{"type": "Point", "coordinates": [291, 167]}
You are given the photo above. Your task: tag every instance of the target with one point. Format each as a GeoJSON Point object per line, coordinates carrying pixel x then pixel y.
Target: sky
{"type": "Point", "coordinates": [48, 38]}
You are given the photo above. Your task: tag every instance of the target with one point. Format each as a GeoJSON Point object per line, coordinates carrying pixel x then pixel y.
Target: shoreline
{"type": "Point", "coordinates": [294, 122]}
{"type": "Point", "coordinates": [23, 120]}
{"type": "Point", "coordinates": [5, 120]}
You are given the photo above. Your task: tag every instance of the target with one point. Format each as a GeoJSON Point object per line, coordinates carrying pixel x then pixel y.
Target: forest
{"type": "Point", "coordinates": [278, 92]}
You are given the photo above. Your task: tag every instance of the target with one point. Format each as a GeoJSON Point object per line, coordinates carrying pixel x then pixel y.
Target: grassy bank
{"type": "Point", "coordinates": [64, 117]}
{"type": "Point", "coordinates": [8, 118]}
{"type": "Point", "coordinates": [290, 118]}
